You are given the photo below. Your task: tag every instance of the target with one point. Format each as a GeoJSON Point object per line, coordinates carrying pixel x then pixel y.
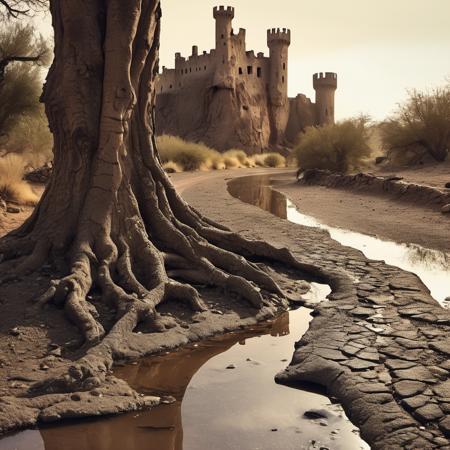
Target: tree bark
{"type": "Point", "coordinates": [110, 218]}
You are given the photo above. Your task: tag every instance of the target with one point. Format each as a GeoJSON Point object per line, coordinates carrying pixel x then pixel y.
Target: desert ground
{"type": "Point", "coordinates": [384, 310]}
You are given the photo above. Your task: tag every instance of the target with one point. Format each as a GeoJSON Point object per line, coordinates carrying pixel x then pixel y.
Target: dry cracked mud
{"type": "Point", "coordinates": [379, 345]}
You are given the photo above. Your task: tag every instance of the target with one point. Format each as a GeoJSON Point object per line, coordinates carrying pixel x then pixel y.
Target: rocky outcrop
{"type": "Point", "coordinates": [393, 186]}
{"type": "Point", "coordinates": [221, 118]}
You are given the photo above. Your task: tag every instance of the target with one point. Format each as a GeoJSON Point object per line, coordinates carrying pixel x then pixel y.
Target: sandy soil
{"type": "Point", "coordinates": [431, 174]}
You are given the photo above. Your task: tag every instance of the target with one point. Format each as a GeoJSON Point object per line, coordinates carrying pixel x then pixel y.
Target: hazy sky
{"type": "Point", "coordinates": [379, 48]}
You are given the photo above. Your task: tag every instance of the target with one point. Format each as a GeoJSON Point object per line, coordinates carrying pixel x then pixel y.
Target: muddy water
{"type": "Point", "coordinates": [226, 399]}
{"type": "Point", "coordinates": [432, 266]}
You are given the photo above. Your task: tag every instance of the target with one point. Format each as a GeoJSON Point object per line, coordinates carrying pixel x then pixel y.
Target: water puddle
{"type": "Point", "coordinates": [226, 399]}
{"type": "Point", "coordinates": [431, 266]}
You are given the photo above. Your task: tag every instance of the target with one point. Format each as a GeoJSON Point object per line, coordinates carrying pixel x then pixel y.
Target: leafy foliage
{"type": "Point", "coordinates": [421, 125]}
{"type": "Point", "coordinates": [339, 147]}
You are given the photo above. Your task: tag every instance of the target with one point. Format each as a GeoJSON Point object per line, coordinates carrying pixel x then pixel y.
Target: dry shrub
{"type": "Point", "coordinates": [268, 160]}
{"type": "Point", "coordinates": [189, 155]}
{"type": "Point", "coordinates": [172, 167]}
{"type": "Point", "coordinates": [420, 126]}
{"type": "Point", "coordinates": [339, 147]}
{"type": "Point", "coordinates": [31, 137]}
{"type": "Point", "coordinates": [274, 160]}
{"type": "Point", "coordinates": [12, 186]}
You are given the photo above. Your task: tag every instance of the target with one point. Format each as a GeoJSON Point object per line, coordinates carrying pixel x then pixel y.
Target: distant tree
{"type": "Point", "coordinates": [21, 55]}
{"type": "Point", "coordinates": [421, 125]}
{"type": "Point", "coordinates": [337, 147]}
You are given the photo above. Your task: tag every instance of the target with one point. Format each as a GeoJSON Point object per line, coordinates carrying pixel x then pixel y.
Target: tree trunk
{"type": "Point", "coordinates": [110, 218]}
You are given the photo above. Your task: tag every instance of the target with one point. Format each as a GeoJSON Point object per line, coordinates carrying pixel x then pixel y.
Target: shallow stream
{"type": "Point", "coordinates": [431, 266]}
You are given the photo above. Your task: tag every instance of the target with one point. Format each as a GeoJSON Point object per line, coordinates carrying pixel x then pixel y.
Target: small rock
{"type": "Point", "coordinates": [445, 209]}
{"type": "Point", "coordinates": [409, 388]}
{"type": "Point", "coordinates": [314, 414]}
{"type": "Point", "coordinates": [274, 429]}
{"type": "Point", "coordinates": [75, 397]}
{"type": "Point", "coordinates": [43, 366]}
{"type": "Point", "coordinates": [429, 412]}
{"type": "Point", "coordinates": [444, 425]}
{"type": "Point", "coordinates": [231, 366]}
{"type": "Point", "coordinates": [16, 210]}
{"type": "Point", "coordinates": [447, 185]}
{"type": "Point", "coordinates": [56, 352]}
{"type": "Point", "coordinates": [96, 393]}
{"type": "Point", "coordinates": [14, 332]}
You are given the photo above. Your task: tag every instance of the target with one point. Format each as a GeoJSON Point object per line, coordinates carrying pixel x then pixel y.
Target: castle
{"type": "Point", "coordinates": [232, 98]}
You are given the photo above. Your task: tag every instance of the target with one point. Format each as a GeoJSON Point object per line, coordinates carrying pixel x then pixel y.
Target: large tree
{"type": "Point", "coordinates": [110, 219]}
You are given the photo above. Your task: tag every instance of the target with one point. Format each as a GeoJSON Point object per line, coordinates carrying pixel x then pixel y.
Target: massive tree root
{"type": "Point", "coordinates": [110, 219]}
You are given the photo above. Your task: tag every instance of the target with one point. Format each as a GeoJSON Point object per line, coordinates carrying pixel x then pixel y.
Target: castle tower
{"type": "Point", "coordinates": [224, 17]}
{"type": "Point", "coordinates": [325, 85]}
{"type": "Point", "coordinates": [224, 29]}
{"type": "Point", "coordinates": [278, 41]}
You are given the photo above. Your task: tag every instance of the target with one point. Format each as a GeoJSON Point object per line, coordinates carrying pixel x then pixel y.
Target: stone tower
{"type": "Point", "coordinates": [325, 85]}
{"type": "Point", "coordinates": [224, 30]}
{"type": "Point", "coordinates": [278, 41]}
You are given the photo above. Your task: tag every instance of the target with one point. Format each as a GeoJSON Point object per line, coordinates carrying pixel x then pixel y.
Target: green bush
{"type": "Point", "coordinates": [420, 126]}
{"type": "Point", "coordinates": [339, 147]}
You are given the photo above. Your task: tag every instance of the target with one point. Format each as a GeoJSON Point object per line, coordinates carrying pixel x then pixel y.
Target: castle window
{"type": "Point", "coordinates": [249, 70]}
{"type": "Point", "coordinates": [186, 71]}
{"type": "Point", "coordinates": [284, 66]}
{"type": "Point", "coordinates": [170, 87]}
{"type": "Point", "coordinates": [205, 67]}
{"type": "Point", "coordinates": [190, 69]}
{"type": "Point", "coordinates": [240, 71]}
{"type": "Point", "coordinates": [223, 36]}
{"type": "Point", "coordinates": [282, 79]}
{"type": "Point", "coordinates": [258, 72]}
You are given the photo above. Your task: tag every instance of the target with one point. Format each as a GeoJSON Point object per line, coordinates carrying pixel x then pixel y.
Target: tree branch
{"type": "Point", "coordinates": [13, 12]}
{"type": "Point", "coordinates": [8, 60]}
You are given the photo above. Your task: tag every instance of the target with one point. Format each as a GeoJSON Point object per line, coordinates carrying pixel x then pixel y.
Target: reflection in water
{"type": "Point", "coordinates": [260, 194]}
{"type": "Point", "coordinates": [431, 266]}
{"type": "Point", "coordinates": [216, 408]}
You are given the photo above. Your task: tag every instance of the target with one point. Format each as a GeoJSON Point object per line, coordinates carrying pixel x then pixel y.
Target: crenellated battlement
{"type": "Point", "coordinates": [223, 11]}
{"type": "Point", "coordinates": [325, 79]}
{"type": "Point", "coordinates": [276, 35]}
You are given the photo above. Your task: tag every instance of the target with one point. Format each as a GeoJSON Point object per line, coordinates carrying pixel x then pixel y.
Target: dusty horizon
{"type": "Point", "coordinates": [378, 50]}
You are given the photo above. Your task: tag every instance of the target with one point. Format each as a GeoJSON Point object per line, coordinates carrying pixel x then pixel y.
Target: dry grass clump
{"type": "Point", "coordinates": [242, 157]}
{"type": "Point", "coordinates": [12, 185]}
{"type": "Point", "coordinates": [188, 155]}
{"type": "Point", "coordinates": [178, 155]}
